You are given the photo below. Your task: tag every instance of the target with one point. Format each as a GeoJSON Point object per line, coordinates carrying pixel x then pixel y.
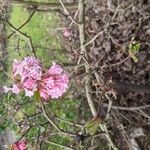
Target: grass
{"type": "Point", "coordinates": [46, 41]}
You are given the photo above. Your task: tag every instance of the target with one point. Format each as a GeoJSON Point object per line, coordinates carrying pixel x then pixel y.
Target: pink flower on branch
{"type": "Point", "coordinates": [19, 145]}
{"type": "Point", "coordinates": [66, 33]}
{"type": "Point", "coordinates": [54, 82]}
{"type": "Point", "coordinates": [29, 76]}
{"type": "Point", "coordinates": [15, 89]}
{"type": "Point", "coordinates": [28, 68]}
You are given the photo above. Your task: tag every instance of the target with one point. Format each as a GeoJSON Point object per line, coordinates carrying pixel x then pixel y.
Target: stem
{"type": "Point", "coordinates": [59, 145]}
{"type": "Point", "coordinates": [42, 4]}
{"type": "Point", "coordinates": [25, 36]}
{"type": "Point", "coordinates": [81, 7]}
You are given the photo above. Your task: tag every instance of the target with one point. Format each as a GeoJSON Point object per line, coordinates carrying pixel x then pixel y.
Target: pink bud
{"type": "Point", "coordinates": [66, 33]}
{"type": "Point", "coordinates": [19, 145]}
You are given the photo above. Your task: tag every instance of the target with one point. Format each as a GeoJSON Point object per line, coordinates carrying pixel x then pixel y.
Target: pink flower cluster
{"type": "Point", "coordinates": [29, 77]}
{"type": "Point", "coordinates": [19, 145]}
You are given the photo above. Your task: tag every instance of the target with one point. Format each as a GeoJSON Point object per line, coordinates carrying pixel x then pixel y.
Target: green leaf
{"type": "Point", "coordinates": [133, 50]}
{"type": "Point", "coordinates": [92, 127]}
{"type": "Point", "coordinates": [135, 59]}
{"type": "Point", "coordinates": [19, 115]}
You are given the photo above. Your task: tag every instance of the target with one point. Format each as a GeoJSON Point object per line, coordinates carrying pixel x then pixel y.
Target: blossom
{"type": "Point", "coordinates": [54, 82]}
{"type": "Point", "coordinates": [66, 33]}
{"type": "Point", "coordinates": [15, 89]}
{"type": "Point", "coordinates": [43, 93]}
{"type": "Point", "coordinates": [26, 72]}
{"type": "Point", "coordinates": [29, 67]}
{"type": "Point", "coordinates": [30, 83]}
{"type": "Point", "coordinates": [29, 93]}
{"type": "Point", "coordinates": [30, 78]}
{"type": "Point", "coordinates": [6, 89]}
{"type": "Point", "coordinates": [19, 145]}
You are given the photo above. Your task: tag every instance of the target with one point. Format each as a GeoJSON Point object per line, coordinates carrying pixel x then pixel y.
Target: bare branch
{"type": "Point", "coordinates": [48, 118]}
{"type": "Point", "coordinates": [128, 108]}
{"type": "Point", "coordinates": [25, 36]}
{"type": "Point", "coordinates": [42, 4]}
{"type": "Point", "coordinates": [56, 144]}
{"type": "Point", "coordinates": [67, 12]}
{"type": "Point", "coordinates": [95, 37]}
{"type": "Point", "coordinates": [65, 133]}
{"type": "Point", "coordinates": [81, 7]}
{"type": "Point", "coordinates": [22, 24]}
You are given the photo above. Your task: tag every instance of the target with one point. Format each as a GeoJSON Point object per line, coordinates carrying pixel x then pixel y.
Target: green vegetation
{"type": "Point", "coordinates": [47, 44]}
{"type": "Point", "coordinates": [40, 28]}
{"type": "Point", "coordinates": [134, 48]}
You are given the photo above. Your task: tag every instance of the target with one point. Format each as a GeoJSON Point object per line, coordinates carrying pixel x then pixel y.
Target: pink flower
{"type": "Point", "coordinates": [30, 83]}
{"type": "Point", "coordinates": [15, 89]}
{"type": "Point", "coordinates": [66, 33]}
{"type": "Point", "coordinates": [54, 82]}
{"type": "Point", "coordinates": [20, 145]}
{"type": "Point", "coordinates": [29, 93]}
{"type": "Point", "coordinates": [26, 72]}
{"type": "Point", "coordinates": [55, 69]}
{"type": "Point", "coordinates": [28, 77]}
{"type": "Point", "coordinates": [17, 68]}
{"type": "Point", "coordinates": [6, 89]}
{"type": "Point", "coordinates": [44, 93]}
{"type": "Point", "coordinates": [28, 68]}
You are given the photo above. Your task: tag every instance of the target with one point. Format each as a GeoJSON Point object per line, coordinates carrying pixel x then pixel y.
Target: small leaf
{"type": "Point", "coordinates": [133, 49]}
{"type": "Point", "coordinates": [42, 129]}
{"type": "Point", "coordinates": [19, 115]}
{"type": "Point", "coordinates": [92, 126]}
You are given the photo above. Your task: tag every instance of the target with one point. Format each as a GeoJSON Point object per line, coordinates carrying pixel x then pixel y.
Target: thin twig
{"type": "Point", "coordinates": [54, 124]}
{"type": "Point", "coordinates": [119, 63]}
{"type": "Point", "coordinates": [95, 37]}
{"type": "Point", "coordinates": [81, 7]}
{"type": "Point", "coordinates": [104, 129]}
{"type": "Point", "coordinates": [67, 12]}
{"type": "Point", "coordinates": [23, 135]}
{"type": "Point", "coordinates": [68, 122]}
{"type": "Point", "coordinates": [48, 118]}
{"type": "Point", "coordinates": [128, 108]}
{"type": "Point", "coordinates": [25, 36]}
{"type": "Point", "coordinates": [141, 112]}
{"type": "Point", "coordinates": [72, 66]}
{"type": "Point", "coordinates": [43, 4]}
{"type": "Point", "coordinates": [75, 15]}
{"type": "Point", "coordinates": [30, 17]}
{"type": "Point", "coordinates": [56, 144]}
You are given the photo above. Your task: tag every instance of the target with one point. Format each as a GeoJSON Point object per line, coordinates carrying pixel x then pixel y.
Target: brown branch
{"type": "Point", "coordinates": [56, 144]}
{"type": "Point", "coordinates": [65, 133]}
{"type": "Point", "coordinates": [67, 121]}
{"type": "Point", "coordinates": [43, 4]}
{"type": "Point", "coordinates": [44, 10]}
{"type": "Point", "coordinates": [88, 71]}
{"type": "Point", "coordinates": [67, 12]}
{"type": "Point", "coordinates": [119, 63]}
{"type": "Point", "coordinates": [128, 108]}
{"type": "Point", "coordinates": [24, 35]}
{"type": "Point", "coordinates": [81, 7]}
{"type": "Point", "coordinates": [22, 24]}
{"type": "Point", "coordinates": [95, 37]}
